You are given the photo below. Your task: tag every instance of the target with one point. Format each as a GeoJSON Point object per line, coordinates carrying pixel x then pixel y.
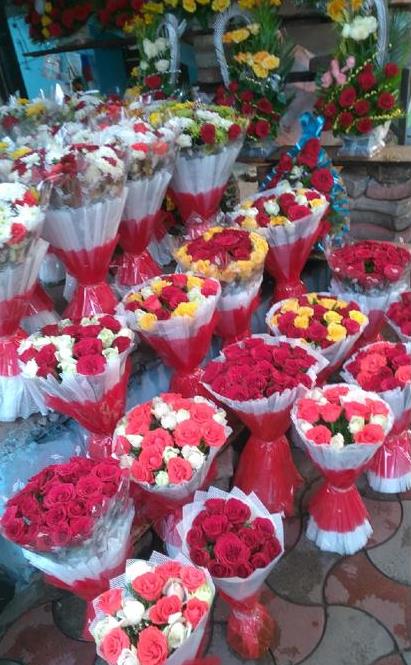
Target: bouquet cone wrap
{"type": "Point", "coordinates": [40, 311]}
{"type": "Point", "coordinates": [406, 339]}
{"type": "Point", "coordinates": [338, 518]}
{"type": "Point", "coordinates": [84, 239]}
{"type": "Point", "coordinates": [236, 307]}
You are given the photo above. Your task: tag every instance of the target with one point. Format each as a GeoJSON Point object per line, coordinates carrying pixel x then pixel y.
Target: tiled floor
{"type": "Point", "coordinates": [330, 610]}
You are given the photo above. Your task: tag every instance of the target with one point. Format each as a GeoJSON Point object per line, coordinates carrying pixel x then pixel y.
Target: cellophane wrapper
{"type": "Point", "coordinates": [250, 628]}
{"type": "Point", "coordinates": [16, 286]}
{"type": "Point", "coordinates": [97, 402]}
{"type": "Point", "coordinates": [266, 466]}
{"type": "Point", "coordinates": [40, 311]}
{"type": "Point", "coordinates": [338, 518]}
{"type": "Point", "coordinates": [335, 353]}
{"type": "Point", "coordinates": [235, 308]}
{"type": "Point", "coordinates": [390, 469]}
{"type": "Point", "coordinates": [199, 180]}
{"type": "Point", "coordinates": [139, 218]}
{"type": "Point", "coordinates": [406, 339]}
{"type": "Point", "coordinates": [84, 239]}
{"type": "Point", "coordinates": [192, 647]}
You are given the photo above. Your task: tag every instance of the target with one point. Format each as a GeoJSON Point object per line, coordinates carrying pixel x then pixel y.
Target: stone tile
{"type": "Point", "coordinates": [292, 532]}
{"type": "Point", "coordinates": [355, 582]}
{"type": "Point", "coordinates": [394, 659]}
{"type": "Point", "coordinates": [406, 656]}
{"type": "Point", "coordinates": [304, 464]}
{"type": "Point", "coordinates": [366, 491]}
{"type": "Point", "coordinates": [300, 575]}
{"type": "Point", "coordinates": [35, 640]}
{"type": "Point", "coordinates": [385, 518]}
{"type": "Point", "coordinates": [220, 648]}
{"type": "Point", "coordinates": [394, 556]}
{"type": "Point", "coordinates": [351, 638]}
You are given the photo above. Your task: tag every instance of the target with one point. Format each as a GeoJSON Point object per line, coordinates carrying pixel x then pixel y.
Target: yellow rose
{"type": "Point", "coordinates": [158, 286]}
{"type": "Point", "coordinates": [336, 332]}
{"type": "Point", "coordinates": [240, 35]}
{"type": "Point", "coordinates": [154, 7]}
{"type": "Point", "coordinates": [45, 21]}
{"type": "Point", "coordinates": [4, 146]}
{"type": "Point", "coordinates": [267, 60]}
{"type": "Point", "coordinates": [242, 58]}
{"type": "Point", "coordinates": [332, 317]}
{"type": "Point", "coordinates": [203, 2]}
{"type": "Point", "coordinates": [35, 109]}
{"type": "Point", "coordinates": [355, 315]}
{"type": "Point", "coordinates": [155, 118]}
{"type": "Point", "coordinates": [302, 322]}
{"type": "Point", "coordinates": [290, 305]}
{"type": "Point", "coordinates": [274, 320]}
{"type": "Point", "coordinates": [171, 3]}
{"type": "Point", "coordinates": [254, 28]}
{"type": "Point", "coordinates": [48, 7]}
{"type": "Point", "coordinates": [247, 204]}
{"type": "Point", "coordinates": [316, 203]}
{"type": "Point", "coordinates": [259, 70]}
{"type": "Point", "coordinates": [45, 32]}
{"type": "Point", "coordinates": [135, 297]}
{"type": "Point", "coordinates": [134, 72]}
{"type": "Point", "coordinates": [185, 309]}
{"type": "Point", "coordinates": [328, 303]}
{"type": "Point", "coordinates": [247, 4]}
{"type": "Point", "coordinates": [22, 101]}
{"type": "Point", "coordinates": [20, 152]}
{"type": "Point", "coordinates": [356, 5]}
{"type": "Point", "coordinates": [246, 268]}
{"type": "Point", "coordinates": [220, 5]}
{"type": "Point", "coordinates": [341, 303]}
{"type": "Point", "coordinates": [312, 298]}
{"type": "Point", "coordinates": [278, 220]}
{"type": "Point", "coordinates": [194, 282]}
{"type": "Point", "coordinates": [189, 6]}
{"type": "Point", "coordinates": [249, 223]}
{"type": "Point", "coordinates": [147, 321]}
{"type": "Point", "coordinates": [335, 10]}
{"type": "Point", "coordinates": [204, 267]}
{"type": "Point", "coordinates": [306, 311]}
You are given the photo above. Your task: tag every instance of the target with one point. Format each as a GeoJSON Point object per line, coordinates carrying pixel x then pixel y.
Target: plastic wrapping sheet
{"type": "Point", "coordinates": [236, 307]}
{"type": "Point", "coordinates": [40, 311]}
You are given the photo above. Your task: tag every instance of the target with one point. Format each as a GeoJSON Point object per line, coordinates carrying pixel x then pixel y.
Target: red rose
{"type": "Point", "coordinates": [169, 569]}
{"type": "Point", "coordinates": [14, 529]}
{"type": "Point", "coordinates": [187, 433]}
{"type": "Point", "coordinates": [362, 107]}
{"type": "Point", "coordinates": [262, 129]}
{"type": "Point", "coordinates": [196, 537]}
{"type": "Point", "coordinates": [296, 212]}
{"type": "Point", "coordinates": [111, 323]}
{"type": "Point", "coordinates": [386, 101]}
{"type": "Point", "coordinates": [347, 97]}
{"type": "Point", "coordinates": [179, 470]}
{"type": "Point", "coordinates": [246, 96]}
{"type": "Point", "coordinates": [244, 570]}
{"type": "Point", "coordinates": [159, 437]}
{"type": "Point", "coordinates": [81, 526]}
{"type": "Point", "coordinates": [209, 288]}
{"type": "Point", "coordinates": [213, 434]}
{"type": "Point", "coordinates": [55, 30]}
{"type": "Point", "coordinates": [192, 578]}
{"type": "Point", "coordinates": [113, 644]}
{"type": "Point", "coordinates": [263, 525]}
{"type": "Point", "coordinates": [18, 233]}
{"type": "Point", "coordinates": [76, 508]}
{"type": "Point", "coordinates": [149, 586]}
{"type": "Point", "coordinates": [91, 365]}
{"type": "Point", "coordinates": [140, 473]}
{"type": "Point", "coordinates": [153, 81]}
{"type": "Point", "coordinates": [230, 550]}
{"type": "Point", "coordinates": [61, 535]}
{"type": "Point", "coordinates": [215, 506]}
{"type": "Point", "coordinates": [264, 105]}
{"type": "Point", "coordinates": [109, 602]}
{"type": "Point", "coordinates": [370, 434]}
{"type": "Point", "coordinates": [195, 610]}
{"type": "Point", "coordinates": [208, 133]}
{"type": "Point", "coordinates": [286, 201]}
{"type": "Point", "coordinates": [152, 648]}
{"type": "Point", "coordinates": [139, 419]}
{"type": "Point", "coordinates": [330, 110]}
{"type": "Point", "coordinates": [220, 570]}
{"type": "Point", "coordinates": [173, 296]}
{"type": "Point", "coordinates": [88, 346]}
{"type": "Point", "coordinates": [260, 560]}
{"type": "Point", "coordinates": [89, 487]}
{"type": "Point", "coordinates": [233, 86]}
{"type": "Point", "coordinates": [285, 164]}
{"type": "Point", "coordinates": [83, 331]}
{"type": "Point", "coordinates": [319, 434]}
{"type": "Point", "coordinates": [391, 70]}
{"type": "Point", "coordinates": [59, 493]}
{"type": "Point", "coordinates": [364, 125]}
{"type": "Point", "coordinates": [234, 132]}
{"type": "Point", "coordinates": [345, 119]}
{"type": "Point", "coordinates": [179, 281]}
{"type": "Point", "coordinates": [55, 515]}
{"type": "Point", "coordinates": [272, 548]}
{"type": "Point", "coordinates": [237, 511]}
{"type": "Point", "coordinates": [199, 556]}
{"type": "Point", "coordinates": [107, 471]}
{"type": "Point", "coordinates": [214, 525]}
{"type": "Point", "coordinates": [164, 608]}
{"type": "Point", "coordinates": [250, 537]}
{"type": "Point", "coordinates": [330, 412]}
{"type": "Point", "coordinates": [322, 179]}
{"type": "Point", "coordinates": [366, 79]}
{"type": "Point", "coordinates": [151, 458]}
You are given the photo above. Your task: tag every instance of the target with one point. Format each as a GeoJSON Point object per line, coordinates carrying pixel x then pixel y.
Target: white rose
{"type": "Point", "coordinates": [121, 429]}
{"type": "Point", "coordinates": [169, 452]}
{"type": "Point", "coordinates": [356, 424]}
{"type": "Point", "coordinates": [169, 421]}
{"type": "Point", "coordinates": [182, 414]}
{"type": "Point", "coordinates": [177, 635]}
{"type": "Point", "coordinates": [301, 199]}
{"type": "Point", "coordinates": [272, 207]}
{"type": "Point", "coordinates": [68, 366]}
{"type": "Point", "coordinates": [110, 353]}
{"type": "Point", "coordinates": [136, 569]}
{"type": "Point", "coordinates": [379, 420]}
{"type": "Point", "coordinates": [194, 456]}
{"type": "Point", "coordinates": [283, 186]}
{"type": "Point", "coordinates": [149, 48]}
{"type": "Point", "coordinates": [107, 337]}
{"type": "Point", "coordinates": [184, 141]}
{"type": "Point", "coordinates": [161, 409]}
{"type": "Point", "coordinates": [131, 613]}
{"type": "Point", "coordinates": [204, 593]}
{"type": "Point", "coordinates": [162, 66]}
{"type": "Point", "coordinates": [297, 171]}
{"type": "Point", "coordinates": [143, 65]}
{"type": "Point", "coordinates": [146, 292]}
{"type": "Point", "coordinates": [101, 628]}
{"type": "Point", "coordinates": [346, 31]}
{"type": "Point", "coordinates": [162, 479]}
{"type": "Point", "coordinates": [305, 426]}
{"type": "Point", "coordinates": [337, 441]}
{"type": "Point", "coordinates": [30, 369]}
{"type": "Point", "coordinates": [173, 588]}
{"type": "Point", "coordinates": [135, 440]}
{"type": "Point", "coordinates": [220, 417]}
{"type": "Point", "coordinates": [161, 44]}
{"type": "Point", "coordinates": [128, 657]}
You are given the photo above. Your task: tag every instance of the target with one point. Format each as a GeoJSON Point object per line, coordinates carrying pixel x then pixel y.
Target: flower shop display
{"type": "Point", "coordinates": [328, 324]}
{"type": "Point", "coordinates": [156, 613]}
{"type": "Point", "coordinates": [236, 258]}
{"type": "Point", "coordinates": [73, 521]}
{"type": "Point", "coordinates": [289, 220]}
{"type": "Point", "coordinates": [176, 315]}
{"type": "Point", "coordinates": [236, 538]}
{"type": "Point", "coordinates": [341, 427]}
{"type": "Point", "coordinates": [259, 378]}
{"type": "Point", "coordinates": [385, 368]}
{"type": "Point", "coordinates": [371, 272]}
{"type": "Point", "coordinates": [82, 221]}
{"type": "Point", "coordinates": [54, 19]}
{"type": "Point", "coordinates": [210, 139]}
{"type": "Point", "coordinates": [24, 119]}
{"type": "Point", "coordinates": [21, 253]}
{"type": "Point", "coordinates": [398, 316]}
{"type": "Point", "coordinates": [168, 445]}
{"type": "Point", "coordinates": [80, 370]}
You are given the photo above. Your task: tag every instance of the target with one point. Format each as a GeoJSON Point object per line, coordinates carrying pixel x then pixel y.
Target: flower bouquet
{"type": "Point", "coordinates": [259, 378]}
{"type": "Point", "coordinates": [73, 521]}
{"type": "Point", "coordinates": [385, 368]}
{"type": "Point", "coordinates": [169, 445]}
{"type": "Point", "coordinates": [21, 253]}
{"type": "Point", "coordinates": [399, 316]}
{"type": "Point", "coordinates": [373, 274]}
{"type": "Point", "coordinates": [156, 613]}
{"type": "Point", "coordinates": [83, 219]}
{"type": "Point", "coordinates": [176, 316]}
{"type": "Point", "coordinates": [330, 325]}
{"type": "Point", "coordinates": [80, 369]}
{"type": "Point", "coordinates": [289, 221]}
{"type": "Point", "coordinates": [236, 258]}
{"type": "Point", "coordinates": [236, 538]}
{"type": "Point", "coordinates": [210, 140]}
{"type": "Point", "coordinates": [40, 311]}
{"type": "Point", "coordinates": [341, 428]}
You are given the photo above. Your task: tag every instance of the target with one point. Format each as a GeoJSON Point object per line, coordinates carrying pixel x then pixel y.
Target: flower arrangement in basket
{"type": "Point", "coordinates": [152, 78]}
{"type": "Point", "coordinates": [236, 258]}
{"type": "Point", "coordinates": [53, 19]}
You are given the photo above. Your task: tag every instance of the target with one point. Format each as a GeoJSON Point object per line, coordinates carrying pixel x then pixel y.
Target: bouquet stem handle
{"type": "Point", "coordinates": [188, 384]}
{"type": "Point", "coordinates": [267, 468]}
{"type": "Point", "coordinates": [251, 629]}
{"type": "Point", "coordinates": [284, 290]}
{"type": "Point", "coordinates": [235, 325]}
{"type": "Point", "coordinates": [91, 299]}
{"type": "Point", "coordinates": [390, 468]}
{"type": "Point", "coordinates": [134, 269]}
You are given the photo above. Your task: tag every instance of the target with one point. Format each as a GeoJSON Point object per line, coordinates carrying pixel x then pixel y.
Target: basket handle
{"type": "Point", "coordinates": [172, 30]}
{"type": "Point", "coordinates": [220, 25]}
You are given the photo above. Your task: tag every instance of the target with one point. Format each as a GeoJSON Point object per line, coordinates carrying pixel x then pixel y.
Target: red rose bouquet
{"type": "Point", "coordinates": [399, 316]}
{"type": "Point", "coordinates": [73, 521]}
{"type": "Point", "coordinates": [176, 316]}
{"type": "Point", "coordinates": [372, 273]}
{"type": "Point", "coordinates": [259, 378]}
{"type": "Point", "coordinates": [236, 538]}
{"type": "Point", "coordinates": [169, 445]}
{"type": "Point", "coordinates": [289, 221]}
{"type": "Point", "coordinates": [385, 368]}
{"type": "Point", "coordinates": [156, 613]}
{"type": "Point", "coordinates": [54, 19]}
{"type": "Point", "coordinates": [80, 370]}
{"type": "Point", "coordinates": [236, 258]}
{"type": "Point", "coordinates": [341, 427]}
{"type": "Point", "coordinates": [82, 221]}
{"type": "Point", "coordinates": [327, 323]}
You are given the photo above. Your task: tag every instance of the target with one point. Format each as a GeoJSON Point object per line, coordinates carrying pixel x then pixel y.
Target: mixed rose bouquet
{"type": "Point", "coordinates": [290, 222]}
{"type": "Point", "coordinates": [155, 613]}
{"type": "Point", "coordinates": [28, 166]}
{"type": "Point", "coordinates": [176, 315]}
{"type": "Point", "coordinates": [21, 220]}
{"type": "Point", "coordinates": [53, 19]}
{"type": "Point", "coordinates": [399, 316]}
{"type": "Point", "coordinates": [385, 368]}
{"type": "Point", "coordinates": [327, 323]}
{"type": "Point", "coordinates": [236, 538]}
{"type": "Point", "coordinates": [169, 445]}
{"type": "Point", "coordinates": [341, 427]}
{"type": "Point", "coordinates": [236, 258]}
{"type": "Point", "coordinates": [210, 138]}
{"type": "Point", "coordinates": [259, 378]}
{"type": "Point", "coordinates": [23, 119]}
{"type": "Point", "coordinates": [80, 370]}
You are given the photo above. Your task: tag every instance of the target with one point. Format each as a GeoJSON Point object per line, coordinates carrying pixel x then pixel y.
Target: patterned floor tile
{"type": "Point", "coordinates": [351, 638]}
{"type": "Point", "coordinates": [407, 656]}
{"type": "Point", "coordinates": [35, 640]}
{"type": "Point", "coordinates": [394, 659]}
{"type": "Point", "coordinates": [304, 464]}
{"type": "Point", "coordinates": [366, 490]}
{"type": "Point", "coordinates": [292, 532]}
{"type": "Point", "coordinates": [393, 557]}
{"type": "Point", "coordinates": [357, 583]}
{"type": "Point", "coordinates": [385, 518]}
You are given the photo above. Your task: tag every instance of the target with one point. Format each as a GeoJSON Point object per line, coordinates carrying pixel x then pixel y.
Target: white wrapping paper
{"type": "Point", "coordinates": [145, 196]}
{"type": "Point", "coordinates": [200, 172]}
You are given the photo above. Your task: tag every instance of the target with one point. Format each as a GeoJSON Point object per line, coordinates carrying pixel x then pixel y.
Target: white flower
{"type": "Point", "coordinates": [101, 628]}
{"type": "Point", "coordinates": [194, 456]}
{"type": "Point", "coordinates": [305, 426]}
{"type": "Point", "coordinates": [301, 199]}
{"type": "Point", "coordinates": [168, 453]}
{"type": "Point", "coordinates": [161, 479]}
{"type": "Point", "coordinates": [182, 414]}
{"type": "Point", "coordinates": [143, 65]}
{"type": "Point", "coordinates": [30, 369]}
{"type": "Point", "coordinates": [169, 421]}
{"type": "Point", "coordinates": [296, 171]}
{"type": "Point", "coordinates": [337, 441]}
{"type": "Point", "coordinates": [379, 420]}
{"type": "Point", "coordinates": [184, 141]}
{"type": "Point", "coordinates": [356, 424]}
{"type": "Point", "coordinates": [160, 410]}
{"type": "Point", "coordinates": [131, 613]}
{"type": "Point", "coordinates": [150, 49]}
{"type": "Point", "coordinates": [283, 186]}
{"type": "Point", "coordinates": [173, 618]}
{"type": "Point", "coordinates": [136, 569]}
{"type": "Point", "coordinates": [146, 292]}
{"type": "Point", "coordinates": [135, 440]}
{"type": "Point", "coordinates": [177, 635]}
{"type": "Point", "coordinates": [128, 657]}
{"type": "Point", "coordinates": [173, 588]}
{"type": "Point", "coordinates": [68, 366]}
{"type": "Point", "coordinates": [121, 429]}
{"type": "Point", "coordinates": [162, 66]}
{"type": "Point", "coordinates": [162, 44]}
{"type": "Point", "coordinates": [204, 593]}
{"type": "Point", "coordinates": [110, 353]}
{"type": "Point", "coordinates": [220, 417]}
{"type": "Point", "coordinates": [272, 207]}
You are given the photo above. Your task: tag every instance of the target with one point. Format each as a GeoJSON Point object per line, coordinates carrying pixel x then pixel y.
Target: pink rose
{"type": "Point", "coordinates": [195, 610]}
{"type": "Point", "coordinates": [109, 602]}
{"type": "Point", "coordinates": [213, 434]}
{"type": "Point", "coordinates": [201, 412]}
{"type": "Point", "coordinates": [152, 648]}
{"type": "Point", "coordinates": [179, 470]}
{"type": "Point", "coordinates": [157, 437]}
{"type": "Point", "coordinates": [403, 375]}
{"type": "Point", "coordinates": [113, 644]}
{"type": "Point", "coordinates": [188, 433]}
{"type": "Point", "coordinates": [164, 608]}
{"type": "Point", "coordinates": [149, 586]}
{"type": "Point", "coordinates": [319, 434]}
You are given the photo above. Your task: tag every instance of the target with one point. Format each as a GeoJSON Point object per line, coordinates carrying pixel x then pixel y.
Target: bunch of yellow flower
{"type": "Point", "coordinates": [252, 4]}
{"type": "Point", "coordinates": [241, 34]}
{"type": "Point", "coordinates": [262, 63]}
{"type": "Point", "coordinates": [342, 10]}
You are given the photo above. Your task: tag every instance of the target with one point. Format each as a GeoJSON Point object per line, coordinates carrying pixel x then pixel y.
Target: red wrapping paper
{"type": "Point", "coordinates": [337, 504]}
{"type": "Point", "coordinates": [203, 204]}
{"type": "Point", "coordinates": [250, 627]}
{"type": "Point", "coordinates": [8, 353]}
{"type": "Point", "coordinates": [234, 325]}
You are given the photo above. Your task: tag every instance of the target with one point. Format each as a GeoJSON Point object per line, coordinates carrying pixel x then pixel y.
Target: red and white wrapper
{"type": "Point", "coordinates": [16, 287]}
{"type": "Point", "coordinates": [236, 307]}
{"type": "Point", "coordinates": [338, 517]}
{"type": "Point", "coordinates": [193, 646]}
{"type": "Point", "coordinates": [266, 466]}
{"type": "Point", "coordinates": [84, 239]}
{"type": "Point", "coordinates": [250, 627]}
{"type": "Point", "coordinates": [40, 311]}
{"type": "Point", "coordinates": [390, 469]}
{"type": "Point", "coordinates": [406, 339]}
{"type": "Point", "coordinates": [199, 180]}
{"type": "Point", "coordinates": [181, 342]}
{"type": "Point", "coordinates": [140, 216]}
{"type": "Point", "coordinates": [335, 354]}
